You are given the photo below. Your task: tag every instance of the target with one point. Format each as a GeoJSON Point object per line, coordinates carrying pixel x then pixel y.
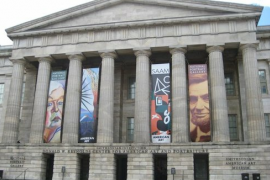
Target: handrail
{"type": "Point", "coordinates": [21, 174]}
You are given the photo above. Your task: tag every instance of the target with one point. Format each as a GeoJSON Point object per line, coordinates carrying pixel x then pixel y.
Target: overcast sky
{"type": "Point", "coordinates": [14, 12]}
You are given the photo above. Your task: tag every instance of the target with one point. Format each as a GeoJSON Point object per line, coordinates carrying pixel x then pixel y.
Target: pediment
{"type": "Point", "coordinates": [102, 12]}
{"type": "Point", "coordinates": [131, 12]}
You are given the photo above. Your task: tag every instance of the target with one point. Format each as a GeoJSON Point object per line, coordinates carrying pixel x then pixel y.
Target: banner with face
{"type": "Point", "coordinates": [199, 103]}
{"type": "Point", "coordinates": [54, 114]}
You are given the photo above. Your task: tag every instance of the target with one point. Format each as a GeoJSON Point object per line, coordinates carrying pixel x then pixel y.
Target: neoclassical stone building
{"type": "Point", "coordinates": [122, 42]}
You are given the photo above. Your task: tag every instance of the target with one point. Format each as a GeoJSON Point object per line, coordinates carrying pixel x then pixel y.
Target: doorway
{"type": "Point", "coordinates": [121, 167]}
{"type": "Point", "coordinates": [201, 167]}
{"type": "Point", "coordinates": [49, 166]}
{"type": "Point", "coordinates": [160, 167]}
{"type": "Point", "coordinates": [84, 172]}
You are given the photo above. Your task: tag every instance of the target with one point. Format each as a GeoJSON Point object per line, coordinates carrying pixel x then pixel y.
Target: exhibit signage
{"type": "Point", "coordinates": [89, 98]}
{"type": "Point", "coordinates": [54, 114]}
{"type": "Point", "coordinates": [199, 103]}
{"type": "Point", "coordinates": [160, 104]}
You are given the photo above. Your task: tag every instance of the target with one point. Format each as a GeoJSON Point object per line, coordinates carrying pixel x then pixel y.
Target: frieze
{"type": "Point", "coordinates": [125, 150]}
{"type": "Point", "coordinates": [130, 33]}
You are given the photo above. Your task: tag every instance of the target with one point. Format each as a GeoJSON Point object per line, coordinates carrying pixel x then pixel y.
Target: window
{"type": "Point", "coordinates": [229, 84]}
{"type": "Point", "coordinates": [2, 86]}
{"type": "Point", "coordinates": [131, 87]}
{"type": "Point", "coordinates": [262, 77]}
{"type": "Point", "coordinates": [267, 124]}
{"type": "Point", "coordinates": [130, 129]}
{"type": "Point", "coordinates": [233, 127]}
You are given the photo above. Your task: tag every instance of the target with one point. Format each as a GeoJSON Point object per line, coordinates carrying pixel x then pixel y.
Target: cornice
{"type": "Point", "coordinates": [167, 21]}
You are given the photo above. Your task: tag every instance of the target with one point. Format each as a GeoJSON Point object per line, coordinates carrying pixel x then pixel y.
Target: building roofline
{"type": "Point", "coordinates": [100, 4]}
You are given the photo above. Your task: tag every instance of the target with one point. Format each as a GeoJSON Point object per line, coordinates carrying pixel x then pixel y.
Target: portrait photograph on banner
{"type": "Point", "coordinates": [160, 103]}
{"type": "Point", "coordinates": [54, 113]}
{"type": "Point", "coordinates": [200, 120]}
{"type": "Point", "coordinates": [89, 99]}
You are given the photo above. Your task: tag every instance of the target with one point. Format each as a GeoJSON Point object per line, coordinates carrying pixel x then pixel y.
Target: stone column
{"type": "Point", "coordinates": [256, 124]}
{"type": "Point", "coordinates": [142, 98]}
{"type": "Point", "coordinates": [41, 99]}
{"type": "Point", "coordinates": [73, 100]}
{"type": "Point", "coordinates": [28, 103]}
{"type": "Point", "coordinates": [10, 134]}
{"type": "Point", "coordinates": [106, 101]}
{"type": "Point", "coordinates": [179, 97]}
{"type": "Point", "coordinates": [218, 95]}
{"type": "Point", "coordinates": [243, 134]}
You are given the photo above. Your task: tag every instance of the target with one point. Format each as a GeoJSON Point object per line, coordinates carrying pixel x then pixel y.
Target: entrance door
{"type": "Point", "coordinates": [201, 164]}
{"type": "Point", "coordinates": [49, 166]}
{"type": "Point", "coordinates": [121, 167]}
{"type": "Point", "coordinates": [84, 174]}
{"type": "Point", "coordinates": [160, 165]}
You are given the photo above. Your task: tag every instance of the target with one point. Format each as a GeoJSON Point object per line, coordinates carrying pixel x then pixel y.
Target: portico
{"type": "Point", "coordinates": [123, 40]}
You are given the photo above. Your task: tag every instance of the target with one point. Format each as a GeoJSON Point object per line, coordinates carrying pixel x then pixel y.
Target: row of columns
{"type": "Point", "coordinates": [142, 98]}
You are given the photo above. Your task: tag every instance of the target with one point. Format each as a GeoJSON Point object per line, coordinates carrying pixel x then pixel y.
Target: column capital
{"type": "Point", "coordinates": [75, 56]}
{"type": "Point", "coordinates": [45, 58]}
{"type": "Point", "coordinates": [176, 50]}
{"type": "Point", "coordinates": [251, 45]}
{"type": "Point", "coordinates": [142, 52]}
{"type": "Point", "coordinates": [215, 49]}
{"type": "Point", "coordinates": [30, 68]}
{"type": "Point", "coordinates": [18, 61]}
{"type": "Point", "coordinates": [108, 54]}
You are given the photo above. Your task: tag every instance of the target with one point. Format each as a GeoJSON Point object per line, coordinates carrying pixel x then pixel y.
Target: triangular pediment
{"type": "Point", "coordinates": [131, 12]}
{"type": "Point", "coordinates": [102, 12]}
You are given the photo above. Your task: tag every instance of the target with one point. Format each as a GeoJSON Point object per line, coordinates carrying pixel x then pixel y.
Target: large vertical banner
{"type": "Point", "coordinates": [199, 103]}
{"type": "Point", "coordinates": [89, 99]}
{"type": "Point", "coordinates": [54, 114]}
{"type": "Point", "coordinates": [160, 104]}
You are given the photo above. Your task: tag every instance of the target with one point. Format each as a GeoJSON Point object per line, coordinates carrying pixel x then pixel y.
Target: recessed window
{"type": "Point", "coordinates": [233, 127]}
{"type": "Point", "coordinates": [131, 87]}
{"type": "Point", "coordinates": [229, 84]}
{"type": "Point", "coordinates": [263, 83]}
{"type": "Point", "coordinates": [267, 124]}
{"type": "Point", "coordinates": [2, 86]}
{"type": "Point", "coordinates": [130, 129]}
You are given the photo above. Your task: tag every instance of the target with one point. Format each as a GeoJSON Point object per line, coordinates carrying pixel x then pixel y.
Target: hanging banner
{"type": "Point", "coordinates": [89, 98]}
{"type": "Point", "coordinates": [54, 114]}
{"type": "Point", "coordinates": [160, 104]}
{"type": "Point", "coordinates": [199, 103]}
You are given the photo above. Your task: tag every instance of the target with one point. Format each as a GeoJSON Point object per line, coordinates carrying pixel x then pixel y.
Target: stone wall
{"type": "Point", "coordinates": [227, 161]}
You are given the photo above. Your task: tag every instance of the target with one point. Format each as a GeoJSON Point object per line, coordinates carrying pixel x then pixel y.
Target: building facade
{"type": "Point", "coordinates": [81, 92]}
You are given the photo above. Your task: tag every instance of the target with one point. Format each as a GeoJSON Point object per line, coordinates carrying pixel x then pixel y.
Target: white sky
{"type": "Point", "coordinates": [14, 12]}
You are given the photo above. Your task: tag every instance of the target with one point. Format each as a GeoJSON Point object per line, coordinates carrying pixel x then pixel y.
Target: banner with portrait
{"type": "Point", "coordinates": [200, 120]}
{"type": "Point", "coordinates": [54, 114]}
{"type": "Point", "coordinates": [89, 99]}
{"type": "Point", "coordinates": [161, 104]}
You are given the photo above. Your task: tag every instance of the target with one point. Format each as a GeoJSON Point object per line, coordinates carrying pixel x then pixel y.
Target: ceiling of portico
{"type": "Point", "coordinates": [114, 13]}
